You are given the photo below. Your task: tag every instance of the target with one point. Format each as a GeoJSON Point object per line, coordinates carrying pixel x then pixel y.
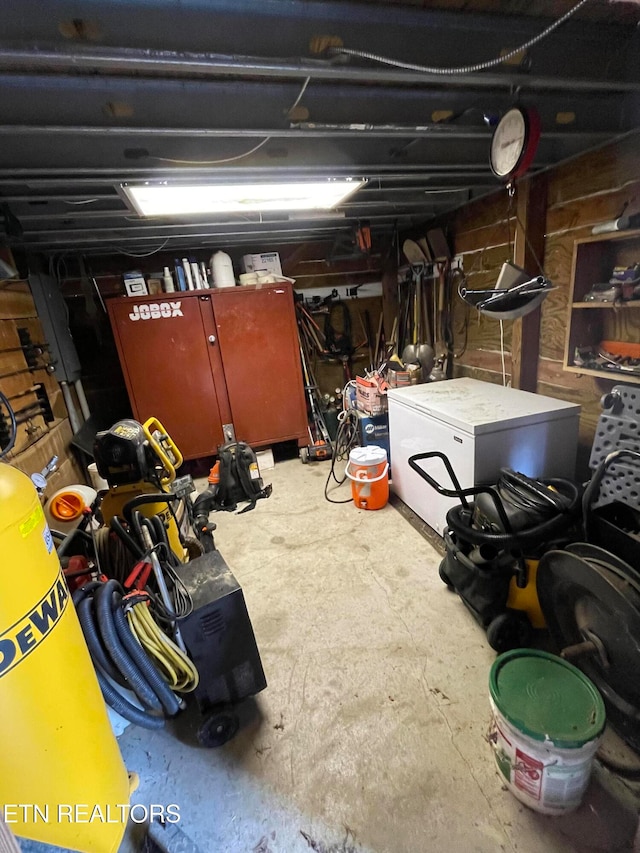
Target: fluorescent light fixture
{"type": "Point", "coordinates": [163, 199]}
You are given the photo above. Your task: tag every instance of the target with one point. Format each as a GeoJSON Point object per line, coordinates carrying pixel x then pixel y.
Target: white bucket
{"type": "Point", "coordinates": [548, 720]}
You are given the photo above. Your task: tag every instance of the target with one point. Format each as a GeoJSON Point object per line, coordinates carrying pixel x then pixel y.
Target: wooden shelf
{"type": "Point", "coordinates": [590, 323]}
{"type": "Point", "coordinates": [630, 303]}
{"type": "Point", "coordinates": [611, 375]}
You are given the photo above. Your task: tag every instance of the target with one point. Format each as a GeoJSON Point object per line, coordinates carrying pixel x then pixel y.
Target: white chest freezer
{"type": "Point", "coordinates": [480, 427]}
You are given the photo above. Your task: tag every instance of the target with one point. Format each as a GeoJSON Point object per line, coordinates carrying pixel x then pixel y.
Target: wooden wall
{"type": "Point", "coordinates": [593, 188]}
{"type": "Point", "coordinates": [38, 439]}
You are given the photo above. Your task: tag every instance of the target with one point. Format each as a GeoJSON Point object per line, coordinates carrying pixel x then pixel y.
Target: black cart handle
{"type": "Point", "coordinates": [458, 491]}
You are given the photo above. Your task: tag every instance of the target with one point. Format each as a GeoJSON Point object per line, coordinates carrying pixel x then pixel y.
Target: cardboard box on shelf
{"type": "Point", "coordinates": [68, 473]}
{"type": "Point", "coordinates": [34, 428]}
{"type": "Point", "coordinates": [371, 398]}
{"type": "Point", "coordinates": [268, 262]}
{"type": "Point", "coordinates": [56, 442]}
{"type": "Point", "coordinates": [134, 284]}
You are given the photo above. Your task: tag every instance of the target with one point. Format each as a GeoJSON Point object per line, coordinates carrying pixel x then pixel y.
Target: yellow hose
{"type": "Point", "coordinates": [173, 664]}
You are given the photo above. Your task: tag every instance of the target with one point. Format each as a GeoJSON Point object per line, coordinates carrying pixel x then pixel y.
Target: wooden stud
{"type": "Point", "coordinates": [528, 254]}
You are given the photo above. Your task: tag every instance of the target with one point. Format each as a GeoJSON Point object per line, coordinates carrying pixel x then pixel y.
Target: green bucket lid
{"type": "Point", "coordinates": [546, 698]}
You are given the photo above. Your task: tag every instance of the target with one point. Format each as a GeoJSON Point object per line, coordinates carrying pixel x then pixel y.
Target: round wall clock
{"type": "Point", "coordinates": [514, 143]}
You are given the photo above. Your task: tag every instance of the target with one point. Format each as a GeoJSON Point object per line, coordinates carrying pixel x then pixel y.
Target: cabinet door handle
{"type": "Point", "coordinates": [212, 339]}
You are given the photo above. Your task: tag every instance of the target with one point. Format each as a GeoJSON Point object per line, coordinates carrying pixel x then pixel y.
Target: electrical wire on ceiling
{"type": "Point", "coordinates": [299, 98]}
{"type": "Point", "coordinates": [211, 162]}
{"type": "Point", "coordinates": [463, 69]}
{"type": "Point", "coordinates": [142, 254]}
{"type": "Point", "coordinates": [237, 156]}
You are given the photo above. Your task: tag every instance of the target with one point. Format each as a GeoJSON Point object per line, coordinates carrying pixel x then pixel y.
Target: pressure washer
{"type": "Point", "coordinates": [163, 616]}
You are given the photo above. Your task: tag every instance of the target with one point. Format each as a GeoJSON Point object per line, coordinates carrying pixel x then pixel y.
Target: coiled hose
{"type": "Point", "coordinates": [177, 669]}
{"type": "Point", "coordinates": [459, 520]}
{"type": "Point", "coordinates": [117, 655]}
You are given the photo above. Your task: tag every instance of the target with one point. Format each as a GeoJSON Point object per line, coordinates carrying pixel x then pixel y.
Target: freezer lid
{"type": "Point", "coordinates": [477, 407]}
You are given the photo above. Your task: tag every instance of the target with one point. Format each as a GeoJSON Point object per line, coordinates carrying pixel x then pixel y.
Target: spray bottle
{"type": "Point", "coordinates": [167, 279]}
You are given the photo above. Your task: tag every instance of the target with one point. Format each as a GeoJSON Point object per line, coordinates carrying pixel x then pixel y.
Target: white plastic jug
{"type": "Point", "coordinates": [222, 270]}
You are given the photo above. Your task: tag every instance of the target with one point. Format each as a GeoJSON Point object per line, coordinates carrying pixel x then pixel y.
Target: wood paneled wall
{"type": "Point", "coordinates": [593, 188]}
{"type": "Point", "coordinates": [37, 439]}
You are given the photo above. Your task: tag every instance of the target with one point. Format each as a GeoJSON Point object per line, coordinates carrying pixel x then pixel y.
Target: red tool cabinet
{"type": "Point", "coordinates": [201, 360]}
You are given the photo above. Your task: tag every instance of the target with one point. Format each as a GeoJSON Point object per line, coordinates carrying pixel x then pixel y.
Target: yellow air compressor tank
{"type": "Point", "coordinates": [62, 779]}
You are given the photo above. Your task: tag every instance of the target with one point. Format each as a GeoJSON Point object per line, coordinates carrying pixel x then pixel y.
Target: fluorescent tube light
{"type": "Point", "coordinates": [154, 199]}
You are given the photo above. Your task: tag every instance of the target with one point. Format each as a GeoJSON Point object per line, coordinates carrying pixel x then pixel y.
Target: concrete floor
{"type": "Point", "coordinates": [372, 733]}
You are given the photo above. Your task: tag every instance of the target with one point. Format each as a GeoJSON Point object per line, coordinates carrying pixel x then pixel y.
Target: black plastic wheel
{"type": "Point", "coordinates": [218, 728]}
{"type": "Point", "coordinates": [444, 577]}
{"type": "Point", "coordinates": [510, 630]}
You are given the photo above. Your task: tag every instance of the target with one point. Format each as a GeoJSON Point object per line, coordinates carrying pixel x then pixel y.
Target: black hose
{"type": "Point", "coordinates": [14, 426]}
{"type": "Point", "coordinates": [141, 500]}
{"type": "Point", "coordinates": [123, 707]}
{"type": "Point", "coordinates": [135, 523]}
{"type": "Point", "coordinates": [84, 591]}
{"type": "Point", "coordinates": [458, 519]}
{"type": "Point", "coordinates": [167, 697]}
{"type": "Point", "coordinates": [84, 609]}
{"type": "Point", "coordinates": [346, 438]}
{"type": "Point", "coordinates": [631, 773]}
{"type": "Point", "coordinates": [205, 502]}
{"type": "Point", "coordinates": [125, 537]}
{"type": "Point", "coordinates": [70, 539]}
{"type": "Point", "coordinates": [119, 655]}
{"type": "Point", "coordinates": [160, 536]}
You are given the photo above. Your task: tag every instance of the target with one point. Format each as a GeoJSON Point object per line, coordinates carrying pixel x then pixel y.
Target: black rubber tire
{"type": "Point", "coordinates": [508, 631]}
{"type": "Point", "coordinates": [218, 728]}
{"type": "Point", "coordinates": [444, 577]}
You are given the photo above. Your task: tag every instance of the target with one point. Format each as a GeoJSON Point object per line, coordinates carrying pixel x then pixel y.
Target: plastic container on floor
{"type": "Point", "coordinates": [368, 471]}
{"type": "Point", "coordinates": [548, 719]}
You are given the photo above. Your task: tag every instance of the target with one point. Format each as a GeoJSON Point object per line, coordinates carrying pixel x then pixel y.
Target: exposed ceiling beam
{"type": "Point", "coordinates": [443, 130]}
{"type": "Point", "coordinates": [56, 177]}
{"type": "Point", "coordinates": [156, 63]}
{"type": "Point", "coordinates": [296, 233]}
{"type": "Point", "coordinates": [354, 210]}
{"type": "Point", "coordinates": [79, 200]}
